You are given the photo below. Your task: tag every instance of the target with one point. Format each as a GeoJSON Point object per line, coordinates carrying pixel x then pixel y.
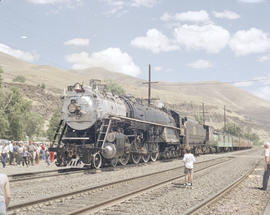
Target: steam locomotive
{"type": "Point", "coordinates": [101, 128]}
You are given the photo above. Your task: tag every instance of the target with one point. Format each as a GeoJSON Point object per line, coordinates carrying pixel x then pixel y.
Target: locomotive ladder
{"type": "Point", "coordinates": [104, 130]}
{"type": "Point", "coordinates": [57, 133]}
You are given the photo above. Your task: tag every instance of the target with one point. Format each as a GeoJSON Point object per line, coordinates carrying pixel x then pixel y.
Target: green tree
{"type": "Point", "coordinates": [16, 116]}
{"type": "Point", "coordinates": [53, 124]}
{"type": "Point", "coordinates": [1, 71]}
{"type": "Point", "coordinates": [236, 131]}
{"type": "Point", "coordinates": [114, 87]}
{"type": "Point", "coordinates": [4, 125]}
{"type": "Point", "coordinates": [16, 107]}
{"type": "Point", "coordinates": [252, 137]}
{"type": "Point", "coordinates": [43, 86]}
{"type": "Point", "coordinates": [33, 124]}
{"type": "Point", "coordinates": [19, 78]}
{"type": "Point", "coordinates": [232, 129]}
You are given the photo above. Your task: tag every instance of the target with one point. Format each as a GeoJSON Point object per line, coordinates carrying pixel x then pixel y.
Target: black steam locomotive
{"type": "Point", "coordinates": [98, 127]}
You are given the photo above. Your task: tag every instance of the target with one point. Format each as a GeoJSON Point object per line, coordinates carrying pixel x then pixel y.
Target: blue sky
{"type": "Point", "coordinates": [183, 40]}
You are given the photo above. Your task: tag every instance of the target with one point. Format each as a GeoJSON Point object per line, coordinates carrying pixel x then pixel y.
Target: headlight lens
{"type": "Point", "coordinates": [72, 108]}
{"type": "Point", "coordinates": [111, 137]}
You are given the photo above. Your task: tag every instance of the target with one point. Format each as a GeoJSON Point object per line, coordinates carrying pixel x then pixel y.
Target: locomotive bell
{"type": "Point", "coordinates": [108, 151]}
{"type": "Point", "coordinates": [78, 88]}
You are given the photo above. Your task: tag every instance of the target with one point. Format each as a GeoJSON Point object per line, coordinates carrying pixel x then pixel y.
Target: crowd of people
{"type": "Point", "coordinates": [24, 153]}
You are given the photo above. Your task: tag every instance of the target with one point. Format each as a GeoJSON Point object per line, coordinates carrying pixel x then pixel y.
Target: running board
{"type": "Point", "coordinates": [75, 138]}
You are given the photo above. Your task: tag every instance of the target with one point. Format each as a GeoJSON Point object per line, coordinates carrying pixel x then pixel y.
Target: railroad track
{"type": "Point", "coordinates": [212, 199]}
{"type": "Point", "coordinates": [67, 171]}
{"type": "Point", "coordinates": [43, 174]}
{"type": "Point", "coordinates": [267, 209]}
{"type": "Point", "coordinates": [95, 198]}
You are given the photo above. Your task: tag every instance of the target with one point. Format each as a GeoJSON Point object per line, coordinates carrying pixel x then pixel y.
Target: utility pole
{"type": "Point", "coordinates": [224, 117]}
{"type": "Point", "coordinates": [149, 85]}
{"type": "Point", "coordinates": [203, 113]}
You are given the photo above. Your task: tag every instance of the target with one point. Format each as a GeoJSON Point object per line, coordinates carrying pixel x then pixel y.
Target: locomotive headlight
{"type": "Point", "coordinates": [72, 108]}
{"type": "Point", "coordinates": [111, 137]}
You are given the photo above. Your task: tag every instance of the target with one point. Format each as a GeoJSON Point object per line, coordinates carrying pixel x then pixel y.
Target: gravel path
{"type": "Point", "coordinates": [174, 199]}
{"type": "Point", "coordinates": [253, 203]}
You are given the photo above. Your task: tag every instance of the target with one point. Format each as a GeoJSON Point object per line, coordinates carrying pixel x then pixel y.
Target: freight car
{"type": "Point", "coordinates": [101, 128]}
{"type": "Point", "coordinates": [222, 142]}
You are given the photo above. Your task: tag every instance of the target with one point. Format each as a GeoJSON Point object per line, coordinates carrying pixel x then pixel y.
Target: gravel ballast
{"type": "Point", "coordinates": [243, 199]}
{"type": "Point", "coordinates": [168, 199]}
{"type": "Point", "coordinates": [175, 199]}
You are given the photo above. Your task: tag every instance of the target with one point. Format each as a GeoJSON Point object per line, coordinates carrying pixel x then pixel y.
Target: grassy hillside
{"type": "Point", "coordinates": [243, 108]}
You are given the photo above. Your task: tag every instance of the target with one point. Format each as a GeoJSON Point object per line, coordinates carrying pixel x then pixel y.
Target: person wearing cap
{"type": "Point", "coordinates": [267, 166]}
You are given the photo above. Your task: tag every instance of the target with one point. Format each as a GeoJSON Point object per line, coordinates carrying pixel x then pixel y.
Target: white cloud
{"type": "Point", "coordinates": [157, 68]}
{"type": "Point", "coordinates": [211, 38]}
{"type": "Point", "coordinates": [23, 55]}
{"type": "Point", "coordinates": [249, 42]}
{"type": "Point", "coordinates": [112, 59]}
{"type": "Point", "coordinates": [143, 3]}
{"type": "Point", "coordinates": [77, 42]}
{"type": "Point", "coordinates": [200, 64]}
{"type": "Point", "coordinates": [154, 41]}
{"type": "Point", "coordinates": [57, 5]}
{"type": "Point", "coordinates": [263, 80]}
{"type": "Point", "coordinates": [47, 1]}
{"type": "Point", "coordinates": [189, 16]}
{"type": "Point", "coordinates": [244, 84]}
{"type": "Point", "coordinates": [226, 14]}
{"type": "Point", "coordinates": [264, 58]}
{"type": "Point", "coordinates": [24, 37]}
{"type": "Point", "coordinates": [263, 92]}
{"type": "Point", "coordinates": [117, 6]}
{"type": "Point", "coordinates": [251, 1]}
{"type": "Point", "coordinates": [120, 7]}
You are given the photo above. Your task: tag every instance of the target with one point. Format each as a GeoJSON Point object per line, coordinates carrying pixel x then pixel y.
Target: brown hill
{"type": "Point", "coordinates": [243, 108]}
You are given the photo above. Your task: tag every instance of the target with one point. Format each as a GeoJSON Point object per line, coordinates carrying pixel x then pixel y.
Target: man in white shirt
{"type": "Point", "coordinates": [267, 166]}
{"type": "Point", "coordinates": [189, 159]}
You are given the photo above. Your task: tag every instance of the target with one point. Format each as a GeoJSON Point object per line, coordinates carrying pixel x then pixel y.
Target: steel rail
{"type": "Point", "coordinates": [42, 174]}
{"type": "Point", "coordinates": [61, 196]}
{"type": "Point", "coordinates": [218, 195]}
{"type": "Point", "coordinates": [136, 192]}
{"type": "Point", "coordinates": [267, 209]}
{"type": "Point", "coordinates": [67, 171]}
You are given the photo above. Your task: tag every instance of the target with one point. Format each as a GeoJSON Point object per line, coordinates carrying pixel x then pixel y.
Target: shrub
{"type": "Point", "coordinates": [19, 78]}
